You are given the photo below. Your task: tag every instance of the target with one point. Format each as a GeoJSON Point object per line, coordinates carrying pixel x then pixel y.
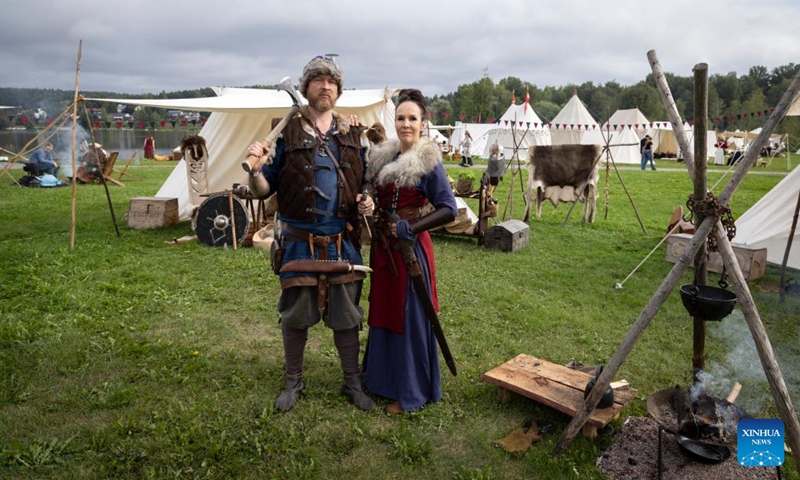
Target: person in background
{"type": "Point", "coordinates": [466, 146]}
{"type": "Point", "coordinates": [318, 176]}
{"type": "Point", "coordinates": [401, 360]}
{"type": "Point", "coordinates": [721, 149]}
{"type": "Point", "coordinates": [149, 147]}
{"type": "Point", "coordinates": [647, 152]}
{"type": "Point", "coordinates": [42, 162]}
{"type": "Point", "coordinates": [496, 167]}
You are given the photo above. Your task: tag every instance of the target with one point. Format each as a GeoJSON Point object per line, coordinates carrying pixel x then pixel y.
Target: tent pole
{"type": "Point", "coordinates": [74, 160]}
{"type": "Point", "coordinates": [789, 247]}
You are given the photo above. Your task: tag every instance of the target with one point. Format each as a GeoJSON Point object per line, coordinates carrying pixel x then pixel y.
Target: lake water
{"type": "Point", "coordinates": [124, 141]}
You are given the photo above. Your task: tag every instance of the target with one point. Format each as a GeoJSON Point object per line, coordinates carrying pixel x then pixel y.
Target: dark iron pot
{"type": "Point", "coordinates": [607, 399]}
{"type": "Point", "coordinates": [707, 302]}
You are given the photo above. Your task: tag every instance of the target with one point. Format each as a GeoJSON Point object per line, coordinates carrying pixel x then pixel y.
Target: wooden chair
{"type": "Point", "coordinates": [108, 169]}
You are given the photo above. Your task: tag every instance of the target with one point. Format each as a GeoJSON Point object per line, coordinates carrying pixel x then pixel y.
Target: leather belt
{"type": "Point", "coordinates": [322, 241]}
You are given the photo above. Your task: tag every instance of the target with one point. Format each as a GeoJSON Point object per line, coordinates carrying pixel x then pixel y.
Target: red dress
{"type": "Point", "coordinates": [149, 147]}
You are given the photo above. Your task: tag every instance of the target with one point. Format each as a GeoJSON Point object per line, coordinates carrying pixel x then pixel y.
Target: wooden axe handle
{"type": "Point", "coordinates": [251, 162]}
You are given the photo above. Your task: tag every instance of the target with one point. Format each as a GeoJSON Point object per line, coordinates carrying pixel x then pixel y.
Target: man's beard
{"type": "Point", "coordinates": [322, 104]}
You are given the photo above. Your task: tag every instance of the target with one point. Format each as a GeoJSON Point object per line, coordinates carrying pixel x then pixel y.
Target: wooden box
{"type": "Point", "coordinates": [151, 212]}
{"type": "Point", "coordinates": [752, 261]}
{"type": "Point", "coordinates": [509, 236]}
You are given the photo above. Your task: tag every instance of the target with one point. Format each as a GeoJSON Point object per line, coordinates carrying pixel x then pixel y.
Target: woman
{"type": "Point", "coordinates": [401, 360]}
{"type": "Point", "coordinates": [496, 168]}
{"type": "Point", "coordinates": [149, 147]}
{"type": "Point", "coordinates": [466, 146]}
{"type": "Point", "coordinates": [719, 154]}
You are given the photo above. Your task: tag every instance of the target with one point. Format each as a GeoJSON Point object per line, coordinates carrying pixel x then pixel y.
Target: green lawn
{"type": "Point", "coordinates": [130, 357]}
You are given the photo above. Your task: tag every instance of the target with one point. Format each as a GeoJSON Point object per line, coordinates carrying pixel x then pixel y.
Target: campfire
{"type": "Point", "coordinates": [695, 413]}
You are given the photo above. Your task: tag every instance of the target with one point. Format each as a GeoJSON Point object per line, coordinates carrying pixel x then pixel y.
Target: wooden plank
{"type": "Point", "coordinates": [554, 385]}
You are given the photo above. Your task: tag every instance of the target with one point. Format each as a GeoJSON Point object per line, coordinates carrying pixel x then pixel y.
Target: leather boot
{"type": "Point", "coordinates": [352, 389]}
{"type": "Point", "coordinates": [290, 394]}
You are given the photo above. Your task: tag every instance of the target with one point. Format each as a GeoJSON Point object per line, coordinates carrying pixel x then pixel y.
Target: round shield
{"type": "Point", "coordinates": [214, 222]}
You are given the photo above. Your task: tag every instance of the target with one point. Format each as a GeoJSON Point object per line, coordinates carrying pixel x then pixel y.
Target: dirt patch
{"type": "Point", "coordinates": [633, 455]}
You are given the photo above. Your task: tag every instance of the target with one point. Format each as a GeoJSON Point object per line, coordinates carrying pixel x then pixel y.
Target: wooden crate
{"type": "Point", "coordinates": [752, 261]}
{"type": "Point", "coordinates": [152, 212]}
{"type": "Point", "coordinates": [556, 386]}
{"type": "Point", "coordinates": [509, 236]}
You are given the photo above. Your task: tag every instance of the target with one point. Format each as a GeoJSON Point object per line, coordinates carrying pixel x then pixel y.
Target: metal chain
{"type": "Point", "coordinates": [710, 206]}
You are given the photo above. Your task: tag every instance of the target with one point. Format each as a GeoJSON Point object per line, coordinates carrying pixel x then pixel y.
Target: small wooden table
{"type": "Point", "coordinates": [556, 386]}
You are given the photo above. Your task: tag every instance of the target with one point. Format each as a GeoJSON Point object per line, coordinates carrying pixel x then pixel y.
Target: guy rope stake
{"type": "Point", "coordinates": [252, 162]}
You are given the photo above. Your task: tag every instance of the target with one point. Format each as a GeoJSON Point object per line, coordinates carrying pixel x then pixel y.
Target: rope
{"type": "Point", "coordinates": [619, 285]}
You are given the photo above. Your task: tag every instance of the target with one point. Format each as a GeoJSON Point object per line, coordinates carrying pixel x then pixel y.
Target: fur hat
{"type": "Point", "coordinates": [321, 66]}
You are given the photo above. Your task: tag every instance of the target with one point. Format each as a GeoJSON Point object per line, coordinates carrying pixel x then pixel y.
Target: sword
{"type": "Point", "coordinates": [418, 281]}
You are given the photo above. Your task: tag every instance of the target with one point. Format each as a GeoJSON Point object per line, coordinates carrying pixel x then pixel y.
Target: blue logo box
{"type": "Point", "coordinates": [760, 442]}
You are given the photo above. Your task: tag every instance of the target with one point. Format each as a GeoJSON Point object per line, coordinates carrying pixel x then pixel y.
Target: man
{"type": "Point", "coordinates": [41, 161]}
{"type": "Point", "coordinates": [646, 149]}
{"type": "Point", "coordinates": [317, 172]}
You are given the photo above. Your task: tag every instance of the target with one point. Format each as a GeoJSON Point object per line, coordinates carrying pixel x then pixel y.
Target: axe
{"type": "Point", "coordinates": [251, 161]}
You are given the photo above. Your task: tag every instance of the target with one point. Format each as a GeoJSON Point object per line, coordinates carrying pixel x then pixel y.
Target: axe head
{"type": "Point", "coordinates": [287, 86]}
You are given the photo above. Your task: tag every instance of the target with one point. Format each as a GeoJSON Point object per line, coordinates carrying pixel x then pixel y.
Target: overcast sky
{"type": "Point", "coordinates": [146, 46]}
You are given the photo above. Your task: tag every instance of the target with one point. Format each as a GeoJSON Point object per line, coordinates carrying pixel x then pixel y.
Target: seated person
{"type": "Point", "coordinates": [42, 162]}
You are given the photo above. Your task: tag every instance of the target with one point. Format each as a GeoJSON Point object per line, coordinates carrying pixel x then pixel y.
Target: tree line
{"type": "Point", "coordinates": [734, 101]}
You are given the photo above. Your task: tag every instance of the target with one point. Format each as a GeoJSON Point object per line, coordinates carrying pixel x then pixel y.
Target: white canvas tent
{"type": "Point", "coordinates": [527, 130]}
{"type": "Point", "coordinates": [480, 136]}
{"type": "Point", "coordinates": [241, 116]}
{"type": "Point", "coordinates": [666, 144]}
{"type": "Point", "coordinates": [573, 124]}
{"type": "Point", "coordinates": [631, 118]}
{"type": "Point", "coordinates": [623, 145]}
{"type": "Point", "coordinates": [767, 224]}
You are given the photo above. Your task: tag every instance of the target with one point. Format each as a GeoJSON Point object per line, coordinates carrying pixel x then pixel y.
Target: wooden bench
{"type": "Point", "coordinates": [556, 386]}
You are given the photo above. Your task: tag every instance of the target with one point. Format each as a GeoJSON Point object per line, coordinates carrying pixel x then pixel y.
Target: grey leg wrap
{"type": "Point", "coordinates": [294, 344]}
{"type": "Point", "coordinates": [346, 342]}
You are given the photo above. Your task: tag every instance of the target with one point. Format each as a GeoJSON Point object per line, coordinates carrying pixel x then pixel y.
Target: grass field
{"type": "Point", "coordinates": [129, 357]}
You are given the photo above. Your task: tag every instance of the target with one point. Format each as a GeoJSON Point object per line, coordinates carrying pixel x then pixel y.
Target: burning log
{"type": "Point", "coordinates": [703, 416]}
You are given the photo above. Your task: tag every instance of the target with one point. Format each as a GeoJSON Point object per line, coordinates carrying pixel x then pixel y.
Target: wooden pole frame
{"type": "Point", "coordinates": [74, 159]}
{"type": "Point", "coordinates": [766, 355]}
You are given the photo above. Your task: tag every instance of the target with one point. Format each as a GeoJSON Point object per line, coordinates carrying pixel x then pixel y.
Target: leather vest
{"type": "Point", "coordinates": [296, 196]}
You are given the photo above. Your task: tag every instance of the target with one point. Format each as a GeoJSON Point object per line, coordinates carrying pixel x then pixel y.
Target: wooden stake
{"type": "Point", "coordinates": [734, 393]}
{"type": "Point", "coordinates": [700, 188]}
{"type": "Point", "coordinates": [789, 247]}
{"type": "Point", "coordinates": [74, 160]}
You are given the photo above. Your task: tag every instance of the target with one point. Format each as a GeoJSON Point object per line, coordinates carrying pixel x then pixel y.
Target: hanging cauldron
{"type": "Point", "coordinates": [707, 302]}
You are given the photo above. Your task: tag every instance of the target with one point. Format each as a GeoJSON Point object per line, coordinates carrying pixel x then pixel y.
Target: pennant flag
{"type": "Point", "coordinates": [733, 117]}
{"type": "Point", "coordinates": [594, 126]}
{"type": "Point", "coordinates": [527, 100]}
{"type": "Point", "coordinates": [433, 114]}
{"type": "Point", "coordinates": [491, 120]}
{"type": "Point", "coordinates": [24, 120]}
{"type": "Point", "coordinates": [529, 124]}
{"type": "Point", "coordinates": [513, 98]}
{"type": "Point", "coordinates": [691, 123]}
{"type": "Point", "coordinates": [446, 114]}
{"type": "Point", "coordinates": [579, 126]}
{"type": "Point", "coordinates": [194, 123]}
{"type": "Point", "coordinates": [141, 124]}
{"type": "Point", "coordinates": [108, 124]}
{"type": "Point", "coordinates": [96, 124]}
{"type": "Point", "coordinates": [173, 122]}
{"type": "Point", "coordinates": [475, 119]}
{"type": "Point", "coordinates": [203, 120]}
{"type": "Point", "coordinates": [183, 122]}
{"type": "Point", "coordinates": [152, 124]}
{"type": "Point", "coordinates": [651, 125]}
{"type": "Point", "coordinates": [461, 116]}
{"type": "Point", "coordinates": [520, 123]}
{"type": "Point", "coordinates": [535, 124]}
{"type": "Point", "coordinates": [718, 120]}
{"type": "Point", "coordinates": [636, 125]}
{"type": "Point", "coordinates": [119, 124]}
{"type": "Point", "coordinates": [130, 124]}
{"type": "Point", "coordinates": [615, 127]}
{"type": "Point", "coordinates": [162, 123]}
{"type": "Point", "coordinates": [556, 126]}
{"type": "Point", "coordinates": [572, 126]}
{"type": "Point", "coordinates": [745, 115]}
